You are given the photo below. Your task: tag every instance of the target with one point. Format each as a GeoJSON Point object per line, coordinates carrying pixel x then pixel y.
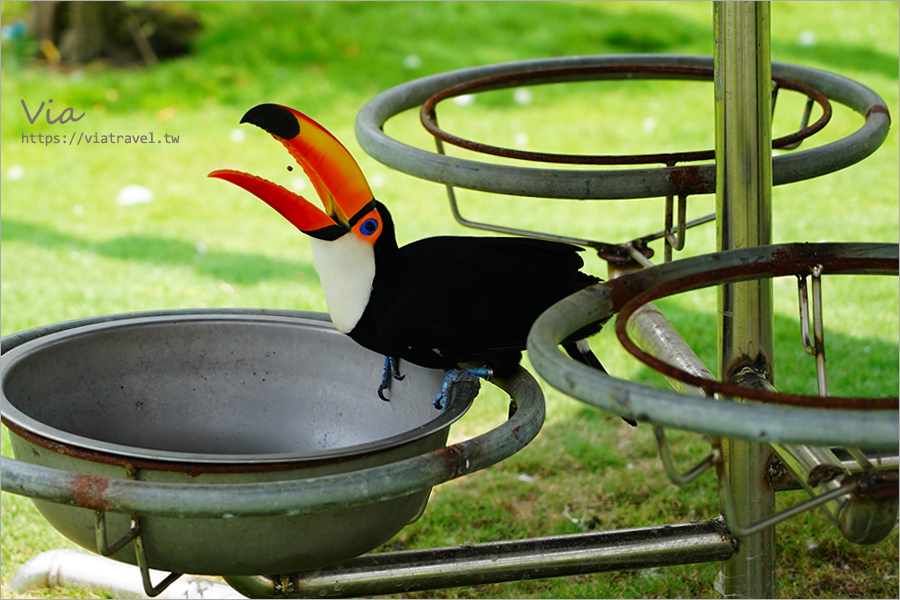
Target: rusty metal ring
{"type": "Point", "coordinates": [428, 116]}
{"type": "Point", "coordinates": [751, 421]}
{"type": "Point", "coordinates": [610, 184]}
{"type": "Point", "coordinates": [792, 261]}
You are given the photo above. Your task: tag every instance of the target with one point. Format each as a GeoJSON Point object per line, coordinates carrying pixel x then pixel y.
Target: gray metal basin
{"type": "Point", "coordinates": [220, 398]}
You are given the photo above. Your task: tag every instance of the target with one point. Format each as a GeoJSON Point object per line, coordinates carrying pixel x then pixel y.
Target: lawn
{"type": "Point", "coordinates": [74, 246]}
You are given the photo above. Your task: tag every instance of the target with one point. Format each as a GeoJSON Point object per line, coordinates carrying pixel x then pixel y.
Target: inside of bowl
{"type": "Point", "coordinates": [215, 386]}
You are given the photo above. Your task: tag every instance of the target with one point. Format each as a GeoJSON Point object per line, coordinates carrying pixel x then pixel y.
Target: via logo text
{"type": "Point", "coordinates": [67, 115]}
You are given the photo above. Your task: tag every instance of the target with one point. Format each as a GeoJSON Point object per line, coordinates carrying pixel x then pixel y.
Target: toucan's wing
{"type": "Point", "coordinates": [468, 298]}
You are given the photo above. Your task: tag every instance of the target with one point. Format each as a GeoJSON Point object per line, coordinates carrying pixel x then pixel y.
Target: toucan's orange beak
{"type": "Point", "coordinates": [334, 173]}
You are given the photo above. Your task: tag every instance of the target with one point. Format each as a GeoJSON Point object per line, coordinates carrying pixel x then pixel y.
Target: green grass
{"type": "Point", "coordinates": [69, 250]}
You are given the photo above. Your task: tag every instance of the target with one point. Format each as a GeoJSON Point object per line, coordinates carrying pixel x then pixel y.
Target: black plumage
{"type": "Point", "coordinates": [444, 301]}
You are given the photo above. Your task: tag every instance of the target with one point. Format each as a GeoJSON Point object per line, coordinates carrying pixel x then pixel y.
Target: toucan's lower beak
{"type": "Point", "coordinates": [333, 172]}
{"type": "Point", "coordinates": [299, 211]}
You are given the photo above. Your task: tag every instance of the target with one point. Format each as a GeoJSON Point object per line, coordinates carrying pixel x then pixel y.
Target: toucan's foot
{"type": "Point", "coordinates": [454, 376]}
{"type": "Point", "coordinates": [391, 372]}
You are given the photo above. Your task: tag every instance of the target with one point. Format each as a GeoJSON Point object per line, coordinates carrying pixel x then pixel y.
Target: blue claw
{"type": "Point", "coordinates": [391, 372]}
{"type": "Point", "coordinates": [453, 377]}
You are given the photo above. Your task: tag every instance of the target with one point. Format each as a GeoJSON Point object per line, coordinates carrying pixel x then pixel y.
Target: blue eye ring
{"type": "Point", "coordinates": [369, 226]}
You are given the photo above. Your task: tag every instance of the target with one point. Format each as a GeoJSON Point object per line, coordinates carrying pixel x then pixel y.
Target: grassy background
{"type": "Point", "coordinates": [70, 250]}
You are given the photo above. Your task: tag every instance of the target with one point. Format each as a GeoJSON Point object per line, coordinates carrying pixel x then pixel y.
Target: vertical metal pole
{"type": "Point", "coordinates": [743, 202]}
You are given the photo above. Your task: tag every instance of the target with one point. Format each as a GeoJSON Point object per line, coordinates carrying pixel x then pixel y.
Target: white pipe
{"type": "Point", "coordinates": [72, 568]}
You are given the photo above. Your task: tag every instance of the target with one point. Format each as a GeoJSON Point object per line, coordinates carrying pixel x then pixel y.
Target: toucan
{"type": "Point", "coordinates": [445, 302]}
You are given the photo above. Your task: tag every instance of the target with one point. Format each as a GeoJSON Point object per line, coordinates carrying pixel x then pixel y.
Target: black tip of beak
{"type": "Point", "coordinates": [275, 119]}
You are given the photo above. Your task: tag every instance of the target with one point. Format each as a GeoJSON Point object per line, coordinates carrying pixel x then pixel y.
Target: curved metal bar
{"type": "Point", "coordinates": [293, 497]}
{"type": "Point", "coordinates": [8, 342]}
{"type": "Point", "coordinates": [748, 421]}
{"type": "Point", "coordinates": [784, 261]}
{"type": "Point", "coordinates": [626, 71]}
{"type": "Point", "coordinates": [610, 184]}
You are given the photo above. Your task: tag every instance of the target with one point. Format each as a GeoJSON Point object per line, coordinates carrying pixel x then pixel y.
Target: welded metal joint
{"type": "Point", "coordinates": [824, 473]}
{"type": "Point", "coordinates": [100, 531]}
{"type": "Point", "coordinates": [752, 372]}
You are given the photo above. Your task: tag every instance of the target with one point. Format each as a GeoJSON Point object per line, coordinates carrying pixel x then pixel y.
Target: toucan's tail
{"type": "Point", "coordinates": [580, 350]}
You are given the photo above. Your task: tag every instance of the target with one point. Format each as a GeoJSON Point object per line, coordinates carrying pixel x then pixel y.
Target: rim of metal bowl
{"type": "Point", "coordinates": [17, 347]}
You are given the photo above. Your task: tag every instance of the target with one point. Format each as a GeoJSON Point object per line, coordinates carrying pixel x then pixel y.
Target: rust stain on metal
{"type": "Point", "coordinates": [752, 372]}
{"type": "Point", "coordinates": [878, 109]}
{"type": "Point", "coordinates": [883, 484]}
{"type": "Point", "coordinates": [690, 180]}
{"type": "Point", "coordinates": [777, 474]}
{"type": "Point", "coordinates": [450, 456]}
{"type": "Point", "coordinates": [88, 491]}
{"type": "Point", "coordinates": [188, 468]}
{"type": "Point", "coordinates": [558, 74]}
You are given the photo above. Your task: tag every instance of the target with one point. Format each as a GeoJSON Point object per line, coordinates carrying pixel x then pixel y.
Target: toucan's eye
{"type": "Point", "coordinates": [368, 227]}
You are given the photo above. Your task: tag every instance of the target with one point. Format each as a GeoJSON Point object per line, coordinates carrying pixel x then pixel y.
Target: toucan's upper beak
{"type": "Point", "coordinates": [334, 173]}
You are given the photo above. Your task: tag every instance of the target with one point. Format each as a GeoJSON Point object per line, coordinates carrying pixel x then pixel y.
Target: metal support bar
{"type": "Point", "coordinates": [479, 564]}
{"type": "Point", "coordinates": [804, 120]}
{"type": "Point", "coordinates": [813, 336]}
{"type": "Point", "coordinates": [656, 335]}
{"type": "Point", "coordinates": [743, 88]}
{"type": "Point", "coordinates": [691, 474]}
{"type": "Point", "coordinates": [149, 589]}
{"type": "Point", "coordinates": [466, 222]}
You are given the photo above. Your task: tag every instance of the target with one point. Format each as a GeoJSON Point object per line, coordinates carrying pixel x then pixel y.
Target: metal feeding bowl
{"type": "Point", "coordinates": [219, 398]}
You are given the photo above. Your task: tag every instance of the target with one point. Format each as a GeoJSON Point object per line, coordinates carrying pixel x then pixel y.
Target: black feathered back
{"type": "Point", "coordinates": [442, 301]}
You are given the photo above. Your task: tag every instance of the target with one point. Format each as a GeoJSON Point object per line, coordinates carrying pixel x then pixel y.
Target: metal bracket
{"type": "Point", "coordinates": [133, 534]}
{"type": "Point", "coordinates": [691, 474]}
{"type": "Point", "coordinates": [728, 506]}
{"type": "Point", "coordinates": [675, 237]}
{"type": "Point", "coordinates": [804, 120]}
{"type": "Point", "coordinates": [813, 344]}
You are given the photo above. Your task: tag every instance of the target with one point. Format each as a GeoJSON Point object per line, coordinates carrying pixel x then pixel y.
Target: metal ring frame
{"type": "Point", "coordinates": [851, 427]}
{"type": "Point", "coordinates": [793, 263]}
{"type": "Point", "coordinates": [618, 183]}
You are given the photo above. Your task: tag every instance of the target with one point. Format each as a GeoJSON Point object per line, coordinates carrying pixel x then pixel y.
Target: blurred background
{"type": "Point", "coordinates": [100, 227]}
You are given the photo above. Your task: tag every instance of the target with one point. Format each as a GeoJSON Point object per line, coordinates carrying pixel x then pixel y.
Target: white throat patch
{"type": "Point", "coordinates": [346, 268]}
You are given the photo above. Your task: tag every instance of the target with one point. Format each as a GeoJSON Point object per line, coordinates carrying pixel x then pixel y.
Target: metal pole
{"type": "Point", "coordinates": [512, 560]}
{"type": "Point", "coordinates": [743, 201]}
